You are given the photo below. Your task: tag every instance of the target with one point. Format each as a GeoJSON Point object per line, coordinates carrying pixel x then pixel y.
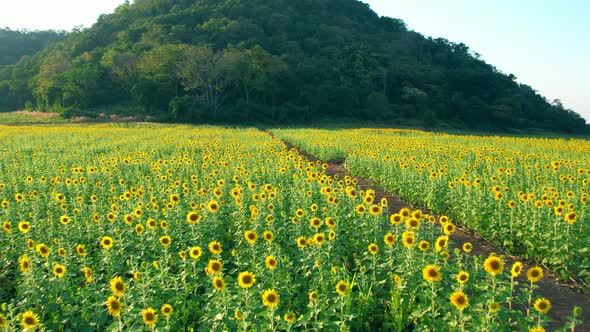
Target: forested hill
{"type": "Point", "coordinates": [275, 61]}
{"type": "Point", "coordinates": [14, 43]}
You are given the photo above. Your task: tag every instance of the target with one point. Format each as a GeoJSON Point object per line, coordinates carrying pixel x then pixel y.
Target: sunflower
{"type": "Point", "coordinates": [449, 228]}
{"type": "Point", "coordinates": [537, 328]}
{"type": "Point", "coordinates": [270, 298]}
{"type": "Point", "coordinates": [114, 307]}
{"type": "Point", "coordinates": [467, 247]}
{"type": "Point", "coordinates": [149, 316]}
{"type": "Point", "coordinates": [441, 242]}
{"type": "Point", "coordinates": [151, 224]}
{"type": "Point", "coordinates": [214, 267]}
{"type": "Point", "coordinates": [213, 206]}
{"type": "Point", "coordinates": [43, 250]}
{"type": "Point", "coordinates": [493, 265]}
{"type": "Point", "coordinates": [24, 226]}
{"type": "Point", "coordinates": [330, 222]}
{"type": "Point", "coordinates": [61, 252]}
{"type": "Point", "coordinates": [413, 223]}
{"type": "Point", "coordinates": [195, 252]}
{"type": "Point", "coordinates": [30, 320]}
{"type": "Point", "coordinates": [431, 273]}
{"type": "Point", "coordinates": [395, 219]}
{"type": "Point", "coordinates": [290, 317]}
{"type": "Point", "coordinates": [165, 240]}
{"type": "Point", "coordinates": [373, 248]}
{"type": "Point", "coordinates": [462, 277]}
{"type": "Point", "coordinates": [342, 288]}
{"type": "Point", "coordinates": [7, 226]}
{"type": "Point", "coordinates": [360, 209]}
{"type": "Point", "coordinates": [193, 218]}
{"type": "Point", "coordinates": [87, 274]}
{"type": "Point", "coordinates": [117, 286]}
{"type": "Point", "coordinates": [301, 242]}
{"type": "Point", "coordinates": [299, 213]}
{"type": "Point", "coordinates": [375, 210]}
{"type": "Point", "coordinates": [534, 274]}
{"type": "Point", "coordinates": [459, 300]}
{"type": "Point", "coordinates": [24, 263]}
{"type": "Point", "coordinates": [423, 245]}
{"type": "Point", "coordinates": [571, 217]}
{"type": "Point", "coordinates": [268, 236]}
{"type": "Point", "coordinates": [2, 322]}
{"type": "Point", "coordinates": [250, 236]}
{"type": "Point", "coordinates": [106, 242]}
{"type": "Point", "coordinates": [64, 219]}
{"type": "Point", "coordinates": [81, 250]}
{"type": "Point", "coordinates": [408, 239]}
{"type": "Point", "coordinates": [494, 307]}
{"type": "Point", "coordinates": [542, 305]}
{"type": "Point", "coordinates": [238, 315]}
{"type": "Point", "coordinates": [166, 310]}
{"type": "Point", "coordinates": [218, 283]}
{"type": "Point", "coordinates": [59, 270]}
{"type": "Point", "coordinates": [215, 247]}
{"type": "Point", "coordinates": [246, 279]}
{"type": "Point", "coordinates": [389, 239]}
{"type": "Point", "coordinates": [319, 238]}
{"type": "Point", "coordinates": [315, 222]}
{"type": "Point", "coordinates": [271, 262]}
{"type": "Point", "coordinates": [313, 296]}
{"type": "Point", "coordinates": [331, 235]}
{"type": "Point", "coordinates": [516, 269]}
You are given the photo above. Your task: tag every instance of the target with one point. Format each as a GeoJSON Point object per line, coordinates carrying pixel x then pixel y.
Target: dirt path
{"type": "Point", "coordinates": [563, 297]}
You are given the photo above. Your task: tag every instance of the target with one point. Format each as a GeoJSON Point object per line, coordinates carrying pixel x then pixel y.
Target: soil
{"type": "Point", "coordinates": [563, 296]}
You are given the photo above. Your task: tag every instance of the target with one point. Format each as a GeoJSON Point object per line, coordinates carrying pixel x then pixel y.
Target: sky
{"type": "Point", "coordinates": [544, 43]}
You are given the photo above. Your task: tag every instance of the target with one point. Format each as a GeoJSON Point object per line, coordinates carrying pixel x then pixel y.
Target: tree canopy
{"type": "Point", "coordinates": [272, 61]}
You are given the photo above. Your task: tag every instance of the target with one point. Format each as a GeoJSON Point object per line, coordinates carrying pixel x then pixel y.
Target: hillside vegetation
{"type": "Point", "coordinates": [272, 61]}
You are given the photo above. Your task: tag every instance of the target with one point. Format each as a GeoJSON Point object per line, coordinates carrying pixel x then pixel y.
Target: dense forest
{"type": "Point", "coordinates": [14, 43]}
{"type": "Point", "coordinates": [272, 61]}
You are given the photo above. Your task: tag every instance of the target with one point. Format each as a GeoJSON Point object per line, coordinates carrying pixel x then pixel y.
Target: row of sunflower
{"type": "Point", "coordinates": [529, 195]}
{"type": "Point", "coordinates": [150, 227]}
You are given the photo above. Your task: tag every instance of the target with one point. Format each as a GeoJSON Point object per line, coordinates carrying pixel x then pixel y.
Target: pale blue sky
{"type": "Point", "coordinates": [545, 43]}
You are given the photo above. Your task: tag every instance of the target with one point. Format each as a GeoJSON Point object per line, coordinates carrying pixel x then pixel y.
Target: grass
{"type": "Point", "coordinates": [13, 118]}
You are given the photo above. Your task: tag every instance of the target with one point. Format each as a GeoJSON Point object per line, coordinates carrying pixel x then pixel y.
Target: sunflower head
{"type": "Point", "coordinates": [462, 277]}
{"type": "Point", "coordinates": [195, 252]}
{"type": "Point", "coordinates": [389, 239]}
{"type": "Point", "coordinates": [270, 298]}
{"type": "Point", "coordinates": [29, 320]}
{"type": "Point", "coordinates": [118, 286]}
{"type": "Point", "coordinates": [218, 283]}
{"type": "Point", "coordinates": [534, 274]}
{"type": "Point", "coordinates": [114, 307]}
{"type": "Point", "coordinates": [246, 279]}
{"type": "Point", "coordinates": [542, 305]}
{"type": "Point", "coordinates": [342, 288]}
{"type": "Point", "coordinates": [431, 273]}
{"type": "Point", "coordinates": [459, 300]}
{"type": "Point", "coordinates": [166, 310]}
{"type": "Point", "coordinates": [149, 316]}
{"type": "Point", "coordinates": [493, 265]}
{"type": "Point", "coordinates": [215, 248]}
{"type": "Point", "coordinates": [271, 262]}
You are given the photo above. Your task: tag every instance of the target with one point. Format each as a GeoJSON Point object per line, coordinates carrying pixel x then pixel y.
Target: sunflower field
{"type": "Point", "coordinates": [529, 195]}
{"type": "Point", "coordinates": [159, 228]}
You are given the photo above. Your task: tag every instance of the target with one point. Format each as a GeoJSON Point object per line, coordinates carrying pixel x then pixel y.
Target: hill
{"type": "Point", "coordinates": [273, 61]}
{"type": "Point", "coordinates": [14, 43]}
